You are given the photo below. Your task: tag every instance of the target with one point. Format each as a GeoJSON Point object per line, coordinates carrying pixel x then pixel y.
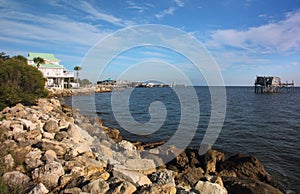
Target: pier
{"type": "Point", "coordinates": [271, 84]}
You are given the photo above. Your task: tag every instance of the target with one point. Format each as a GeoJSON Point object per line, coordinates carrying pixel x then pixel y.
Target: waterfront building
{"type": "Point", "coordinates": [57, 76]}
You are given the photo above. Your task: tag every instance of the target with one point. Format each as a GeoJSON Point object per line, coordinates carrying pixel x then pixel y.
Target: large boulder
{"type": "Point", "coordinates": [9, 162]}
{"type": "Point", "coordinates": [32, 159]}
{"type": "Point", "coordinates": [206, 187]}
{"type": "Point", "coordinates": [248, 186]}
{"type": "Point", "coordinates": [79, 135]}
{"type": "Point", "coordinates": [117, 186]}
{"type": "Point", "coordinates": [49, 174]}
{"type": "Point", "coordinates": [145, 166]}
{"type": "Point", "coordinates": [39, 189]}
{"type": "Point", "coordinates": [246, 167]}
{"type": "Point", "coordinates": [211, 160]}
{"type": "Point", "coordinates": [97, 186]}
{"type": "Point", "coordinates": [138, 179]}
{"type": "Point", "coordinates": [51, 126]}
{"type": "Point", "coordinates": [77, 149]}
{"type": "Point", "coordinates": [115, 135]}
{"type": "Point", "coordinates": [162, 177]}
{"type": "Point", "coordinates": [16, 179]}
{"type": "Point", "coordinates": [166, 189]}
{"type": "Point", "coordinates": [58, 147]}
{"type": "Point", "coordinates": [190, 176]}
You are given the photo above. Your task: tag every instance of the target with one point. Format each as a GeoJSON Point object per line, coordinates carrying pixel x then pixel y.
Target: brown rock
{"type": "Point", "coordinates": [190, 176]}
{"type": "Point", "coordinates": [74, 190]}
{"type": "Point", "coordinates": [9, 162]}
{"type": "Point", "coordinates": [59, 148]}
{"type": "Point", "coordinates": [178, 157]}
{"type": "Point", "coordinates": [16, 179]}
{"type": "Point", "coordinates": [39, 189]}
{"type": "Point", "coordinates": [51, 126]}
{"type": "Point", "coordinates": [164, 189]}
{"type": "Point", "coordinates": [96, 186]}
{"type": "Point", "coordinates": [138, 179]}
{"type": "Point", "coordinates": [49, 156]}
{"type": "Point", "coordinates": [120, 186]}
{"type": "Point", "coordinates": [206, 187]}
{"type": "Point", "coordinates": [162, 177]}
{"type": "Point", "coordinates": [32, 159]}
{"type": "Point", "coordinates": [246, 167]}
{"type": "Point", "coordinates": [33, 134]}
{"type": "Point", "coordinates": [115, 135]}
{"type": "Point", "coordinates": [61, 135]}
{"type": "Point", "coordinates": [49, 174]}
{"type": "Point", "coordinates": [212, 158]}
{"type": "Point", "coordinates": [248, 186]}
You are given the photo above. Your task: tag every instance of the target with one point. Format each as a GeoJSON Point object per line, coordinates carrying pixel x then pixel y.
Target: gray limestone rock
{"type": "Point", "coordinates": [206, 187]}
{"type": "Point", "coordinates": [39, 189]}
{"type": "Point", "coordinates": [51, 126]}
{"type": "Point", "coordinates": [49, 174]}
{"type": "Point", "coordinates": [16, 179]}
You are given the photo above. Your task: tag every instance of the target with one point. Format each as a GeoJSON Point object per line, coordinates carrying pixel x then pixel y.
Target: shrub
{"type": "Point", "coordinates": [20, 83]}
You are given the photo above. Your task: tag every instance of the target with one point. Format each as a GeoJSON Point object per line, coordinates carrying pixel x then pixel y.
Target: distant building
{"type": "Point", "coordinates": [270, 84]}
{"type": "Point", "coordinates": [56, 75]}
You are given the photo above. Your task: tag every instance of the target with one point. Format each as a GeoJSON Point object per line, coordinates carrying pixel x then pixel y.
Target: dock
{"type": "Point", "coordinates": [271, 84]}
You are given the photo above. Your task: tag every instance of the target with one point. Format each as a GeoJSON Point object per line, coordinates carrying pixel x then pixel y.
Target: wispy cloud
{"type": "Point", "coordinates": [165, 12]}
{"type": "Point", "coordinates": [179, 3]}
{"type": "Point", "coordinates": [141, 8]}
{"type": "Point", "coordinates": [52, 28]}
{"type": "Point", "coordinates": [274, 37]}
{"type": "Point", "coordinates": [170, 10]}
{"type": "Point", "coordinates": [98, 15]}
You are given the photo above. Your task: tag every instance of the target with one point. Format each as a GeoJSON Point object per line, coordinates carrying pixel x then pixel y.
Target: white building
{"type": "Point", "coordinates": [56, 75]}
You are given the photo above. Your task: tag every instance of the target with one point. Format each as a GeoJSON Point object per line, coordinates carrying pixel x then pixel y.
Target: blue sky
{"type": "Point", "coordinates": [245, 37]}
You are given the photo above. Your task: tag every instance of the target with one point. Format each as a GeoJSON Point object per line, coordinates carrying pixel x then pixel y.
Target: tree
{"type": "Point", "coordinates": [84, 82]}
{"type": "Point", "coordinates": [38, 61]}
{"type": "Point", "coordinates": [4, 56]}
{"type": "Point", "coordinates": [77, 69]}
{"type": "Point", "coordinates": [20, 57]}
{"type": "Point", "coordinates": [20, 83]}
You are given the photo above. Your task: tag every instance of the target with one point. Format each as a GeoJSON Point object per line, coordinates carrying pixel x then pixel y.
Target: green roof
{"type": "Point", "coordinates": [48, 66]}
{"type": "Point", "coordinates": [46, 56]}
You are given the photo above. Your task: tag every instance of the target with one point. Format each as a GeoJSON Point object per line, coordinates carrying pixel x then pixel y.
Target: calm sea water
{"type": "Point", "coordinates": [263, 125]}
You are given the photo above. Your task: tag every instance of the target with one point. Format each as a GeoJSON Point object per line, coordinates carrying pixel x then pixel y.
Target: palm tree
{"type": "Point", "coordinates": [38, 61]}
{"type": "Point", "coordinates": [77, 69]}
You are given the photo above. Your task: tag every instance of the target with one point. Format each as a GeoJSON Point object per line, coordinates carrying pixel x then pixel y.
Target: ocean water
{"type": "Point", "coordinates": [266, 126]}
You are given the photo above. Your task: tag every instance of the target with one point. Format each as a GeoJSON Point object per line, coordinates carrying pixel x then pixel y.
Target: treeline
{"type": "Point", "coordinates": [19, 82]}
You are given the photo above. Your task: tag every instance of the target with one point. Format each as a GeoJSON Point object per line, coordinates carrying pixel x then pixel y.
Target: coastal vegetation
{"type": "Point", "coordinates": [19, 82]}
{"type": "Point", "coordinates": [38, 61]}
{"type": "Point", "coordinates": [77, 69]}
{"type": "Point", "coordinates": [84, 82]}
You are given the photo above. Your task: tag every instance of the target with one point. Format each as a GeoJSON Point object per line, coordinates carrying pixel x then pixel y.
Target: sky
{"type": "Point", "coordinates": [244, 38]}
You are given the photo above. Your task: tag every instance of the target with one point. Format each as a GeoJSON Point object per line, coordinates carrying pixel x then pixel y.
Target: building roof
{"type": "Point", "coordinates": [46, 56]}
{"type": "Point", "coordinates": [48, 66]}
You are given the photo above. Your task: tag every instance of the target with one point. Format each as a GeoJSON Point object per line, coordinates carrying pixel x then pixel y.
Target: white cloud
{"type": "Point", "coordinates": [100, 15]}
{"type": "Point", "coordinates": [179, 3]}
{"type": "Point", "coordinates": [137, 7]}
{"type": "Point", "coordinates": [52, 28]}
{"type": "Point", "coordinates": [275, 37]}
{"type": "Point", "coordinates": [165, 12]}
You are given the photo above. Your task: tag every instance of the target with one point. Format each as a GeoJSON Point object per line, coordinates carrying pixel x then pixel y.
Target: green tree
{"type": "Point", "coordinates": [77, 69]}
{"type": "Point", "coordinates": [38, 61]}
{"type": "Point", "coordinates": [20, 83]}
{"type": "Point", "coordinates": [20, 57]}
{"type": "Point", "coordinates": [3, 56]}
{"type": "Point", "coordinates": [84, 82]}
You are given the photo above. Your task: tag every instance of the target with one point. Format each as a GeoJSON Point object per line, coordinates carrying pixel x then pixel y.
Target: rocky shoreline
{"type": "Point", "coordinates": [51, 148]}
